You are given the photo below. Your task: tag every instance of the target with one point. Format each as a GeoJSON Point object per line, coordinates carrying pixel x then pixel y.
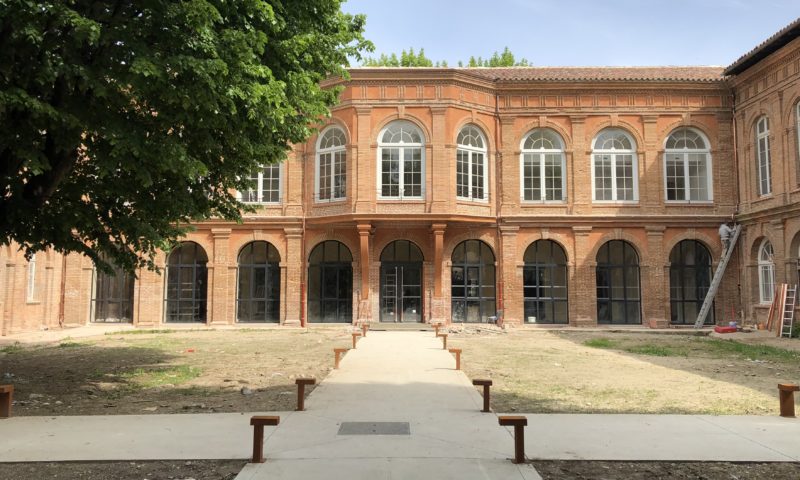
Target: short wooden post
{"type": "Point", "coordinates": [436, 327]}
{"type": "Point", "coordinates": [486, 384]}
{"type": "Point", "coordinates": [457, 353]}
{"type": "Point", "coordinates": [301, 391]}
{"type": "Point", "coordinates": [786, 397]}
{"type": "Point", "coordinates": [355, 338]}
{"type": "Point", "coordinates": [337, 352]}
{"type": "Point", "coordinates": [444, 340]}
{"type": "Point", "coordinates": [6, 397]}
{"type": "Point", "coordinates": [364, 328]}
{"type": "Point", "coordinates": [518, 422]}
{"type": "Point", "coordinates": [258, 423]}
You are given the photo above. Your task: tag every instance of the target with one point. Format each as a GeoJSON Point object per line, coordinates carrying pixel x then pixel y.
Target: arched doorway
{"type": "Point", "coordinates": [618, 297]}
{"type": "Point", "coordinates": [259, 293]}
{"type": "Point", "coordinates": [330, 283]}
{"type": "Point", "coordinates": [401, 282]}
{"type": "Point", "coordinates": [187, 284]}
{"type": "Point", "coordinates": [545, 283]}
{"type": "Point", "coordinates": [113, 296]}
{"type": "Point", "coordinates": [689, 280]}
{"type": "Point", "coordinates": [472, 282]}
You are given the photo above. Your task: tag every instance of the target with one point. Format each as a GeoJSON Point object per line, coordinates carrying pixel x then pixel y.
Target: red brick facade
{"type": "Point", "coordinates": [505, 105]}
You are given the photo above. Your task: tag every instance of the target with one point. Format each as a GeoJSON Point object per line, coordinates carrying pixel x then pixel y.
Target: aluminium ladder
{"type": "Point", "coordinates": [715, 283]}
{"type": "Point", "coordinates": [787, 319]}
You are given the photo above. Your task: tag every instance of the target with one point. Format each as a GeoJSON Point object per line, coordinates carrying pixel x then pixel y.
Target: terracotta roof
{"type": "Point", "coordinates": [600, 74]}
{"type": "Point", "coordinates": [784, 36]}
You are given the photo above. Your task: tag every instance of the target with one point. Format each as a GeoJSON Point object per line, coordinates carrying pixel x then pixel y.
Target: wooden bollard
{"type": "Point", "coordinates": [786, 397]}
{"type": "Point", "coordinates": [457, 353]}
{"type": "Point", "coordinates": [436, 327]}
{"type": "Point", "coordinates": [258, 423]}
{"type": "Point", "coordinates": [6, 397]}
{"type": "Point", "coordinates": [518, 422]}
{"type": "Point", "coordinates": [355, 336]}
{"type": "Point", "coordinates": [301, 391]}
{"type": "Point", "coordinates": [364, 328]}
{"type": "Point", "coordinates": [337, 352]}
{"type": "Point", "coordinates": [486, 384]}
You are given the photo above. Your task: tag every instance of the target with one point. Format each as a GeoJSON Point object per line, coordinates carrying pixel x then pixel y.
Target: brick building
{"type": "Point", "coordinates": [528, 196]}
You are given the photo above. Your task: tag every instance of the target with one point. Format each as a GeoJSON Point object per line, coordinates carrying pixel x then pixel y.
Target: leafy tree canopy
{"type": "Point", "coordinates": [123, 121]}
{"type": "Point", "coordinates": [410, 59]}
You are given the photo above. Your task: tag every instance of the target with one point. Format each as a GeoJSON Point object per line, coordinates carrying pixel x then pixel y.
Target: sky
{"type": "Point", "coordinates": [576, 32]}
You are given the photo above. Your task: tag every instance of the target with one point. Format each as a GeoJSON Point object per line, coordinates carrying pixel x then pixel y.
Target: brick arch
{"type": "Point", "coordinates": [206, 245]}
{"type": "Point", "coordinates": [279, 246]}
{"type": "Point", "coordinates": [713, 245]}
{"type": "Point", "coordinates": [788, 114]}
{"type": "Point", "coordinates": [622, 125]}
{"type": "Point", "coordinates": [561, 240]}
{"type": "Point", "coordinates": [755, 246]}
{"type": "Point", "coordinates": [333, 122]}
{"type": "Point", "coordinates": [592, 255]}
{"type": "Point", "coordinates": [751, 120]}
{"type": "Point", "coordinates": [527, 128]}
{"type": "Point", "coordinates": [395, 116]}
{"type": "Point", "coordinates": [487, 238]}
{"type": "Point", "coordinates": [794, 245]}
{"type": "Point", "coordinates": [416, 238]}
{"type": "Point", "coordinates": [317, 239]}
{"type": "Point", "coordinates": [482, 126]}
{"type": "Point", "coordinates": [702, 127]}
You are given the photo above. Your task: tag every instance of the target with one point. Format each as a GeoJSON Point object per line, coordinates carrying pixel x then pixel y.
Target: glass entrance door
{"type": "Point", "coordinates": [401, 292]}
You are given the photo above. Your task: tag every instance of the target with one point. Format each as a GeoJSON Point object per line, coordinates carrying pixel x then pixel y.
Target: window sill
{"type": "Point", "coordinates": [529, 203]}
{"type": "Point", "coordinates": [763, 198]}
{"type": "Point", "coordinates": [336, 201]}
{"type": "Point", "coordinates": [469, 201]}
{"type": "Point", "coordinates": [401, 200]}
{"type": "Point", "coordinates": [33, 302]}
{"type": "Point", "coordinates": [606, 203]}
{"type": "Point", "coordinates": [681, 203]}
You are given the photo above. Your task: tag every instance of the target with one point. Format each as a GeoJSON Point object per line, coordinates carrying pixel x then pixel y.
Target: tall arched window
{"type": "Point", "coordinates": [614, 167]}
{"type": "Point", "coordinates": [112, 300]}
{"type": "Point", "coordinates": [472, 179]}
{"type": "Point", "coordinates": [401, 161]}
{"type": "Point", "coordinates": [259, 293]}
{"type": "Point", "coordinates": [472, 282]}
{"type": "Point", "coordinates": [543, 167]}
{"type": "Point", "coordinates": [689, 280]}
{"type": "Point", "coordinates": [687, 167]}
{"type": "Point", "coordinates": [331, 180]}
{"type": "Point", "coordinates": [797, 128]}
{"type": "Point", "coordinates": [766, 272]}
{"type": "Point", "coordinates": [763, 156]}
{"type": "Point", "coordinates": [545, 283]}
{"type": "Point", "coordinates": [330, 283]}
{"type": "Point", "coordinates": [618, 298]}
{"type": "Point", "coordinates": [187, 284]}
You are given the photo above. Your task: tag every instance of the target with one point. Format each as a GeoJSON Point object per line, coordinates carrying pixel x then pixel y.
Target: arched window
{"type": "Point", "coordinates": [472, 282]}
{"type": "Point", "coordinates": [113, 296]}
{"type": "Point", "coordinates": [401, 282]}
{"type": "Point", "coordinates": [543, 165]}
{"type": "Point", "coordinates": [330, 283]}
{"type": "Point", "coordinates": [763, 156]}
{"type": "Point", "coordinates": [187, 284]}
{"type": "Point", "coordinates": [331, 181]}
{"type": "Point", "coordinates": [401, 161]}
{"type": "Point", "coordinates": [687, 167]}
{"type": "Point", "coordinates": [766, 272]}
{"type": "Point", "coordinates": [259, 293]}
{"type": "Point", "coordinates": [266, 183]}
{"type": "Point", "coordinates": [545, 283]}
{"type": "Point", "coordinates": [472, 179]}
{"type": "Point", "coordinates": [614, 167]}
{"type": "Point", "coordinates": [618, 298]}
{"type": "Point", "coordinates": [797, 128]}
{"type": "Point", "coordinates": [689, 281]}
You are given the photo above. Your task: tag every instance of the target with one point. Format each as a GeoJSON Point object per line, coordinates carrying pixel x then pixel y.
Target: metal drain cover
{"type": "Point", "coordinates": [375, 428]}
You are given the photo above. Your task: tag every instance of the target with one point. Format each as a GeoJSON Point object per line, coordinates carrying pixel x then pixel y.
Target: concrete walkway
{"type": "Point", "coordinates": [400, 377]}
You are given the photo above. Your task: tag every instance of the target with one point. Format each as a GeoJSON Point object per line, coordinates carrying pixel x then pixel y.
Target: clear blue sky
{"type": "Point", "coordinates": [577, 32]}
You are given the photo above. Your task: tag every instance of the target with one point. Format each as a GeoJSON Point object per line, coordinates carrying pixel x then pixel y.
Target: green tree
{"type": "Point", "coordinates": [123, 121]}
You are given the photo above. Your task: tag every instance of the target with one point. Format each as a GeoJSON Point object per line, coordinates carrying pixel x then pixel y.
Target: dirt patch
{"type": "Point", "coordinates": [168, 372]}
{"type": "Point", "coordinates": [150, 470]}
{"type": "Point", "coordinates": [603, 372]}
{"type": "Point", "coordinates": [585, 470]}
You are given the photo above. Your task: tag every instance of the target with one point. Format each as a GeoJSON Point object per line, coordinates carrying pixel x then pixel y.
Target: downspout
{"type": "Point", "coordinates": [498, 167]}
{"type": "Point", "coordinates": [736, 200]}
{"type": "Point", "coordinates": [304, 268]}
{"type": "Point", "coordinates": [62, 291]}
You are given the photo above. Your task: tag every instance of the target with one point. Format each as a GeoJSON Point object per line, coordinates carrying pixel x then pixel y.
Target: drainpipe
{"type": "Point", "coordinates": [62, 291]}
{"type": "Point", "coordinates": [498, 166]}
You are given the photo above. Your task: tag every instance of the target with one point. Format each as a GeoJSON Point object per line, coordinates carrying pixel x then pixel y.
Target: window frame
{"type": "Point", "coordinates": [31, 292]}
{"type": "Point", "coordinates": [797, 134]}
{"type": "Point", "coordinates": [685, 153]}
{"type": "Point", "coordinates": [766, 267]}
{"type": "Point", "coordinates": [614, 153]}
{"type": "Point", "coordinates": [767, 163]}
{"type": "Point", "coordinates": [471, 152]}
{"type": "Point", "coordinates": [539, 157]}
{"type": "Point", "coordinates": [332, 151]}
{"type": "Point", "coordinates": [260, 192]}
{"type": "Point", "coordinates": [401, 146]}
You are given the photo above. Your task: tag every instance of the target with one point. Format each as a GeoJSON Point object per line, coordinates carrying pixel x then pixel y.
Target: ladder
{"type": "Point", "coordinates": [715, 283]}
{"type": "Point", "coordinates": [787, 318]}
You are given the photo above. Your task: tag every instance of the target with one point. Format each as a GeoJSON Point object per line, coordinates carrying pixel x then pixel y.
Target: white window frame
{"type": "Point", "coordinates": [766, 273]}
{"type": "Point", "coordinates": [401, 146]}
{"type": "Point", "coordinates": [31, 292]}
{"type": "Point", "coordinates": [797, 127]}
{"type": "Point", "coordinates": [685, 153]}
{"type": "Point", "coordinates": [471, 152]}
{"type": "Point", "coordinates": [613, 153]}
{"type": "Point", "coordinates": [763, 162]}
{"type": "Point", "coordinates": [259, 192]}
{"type": "Point", "coordinates": [539, 155]}
{"type": "Point", "coordinates": [332, 151]}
